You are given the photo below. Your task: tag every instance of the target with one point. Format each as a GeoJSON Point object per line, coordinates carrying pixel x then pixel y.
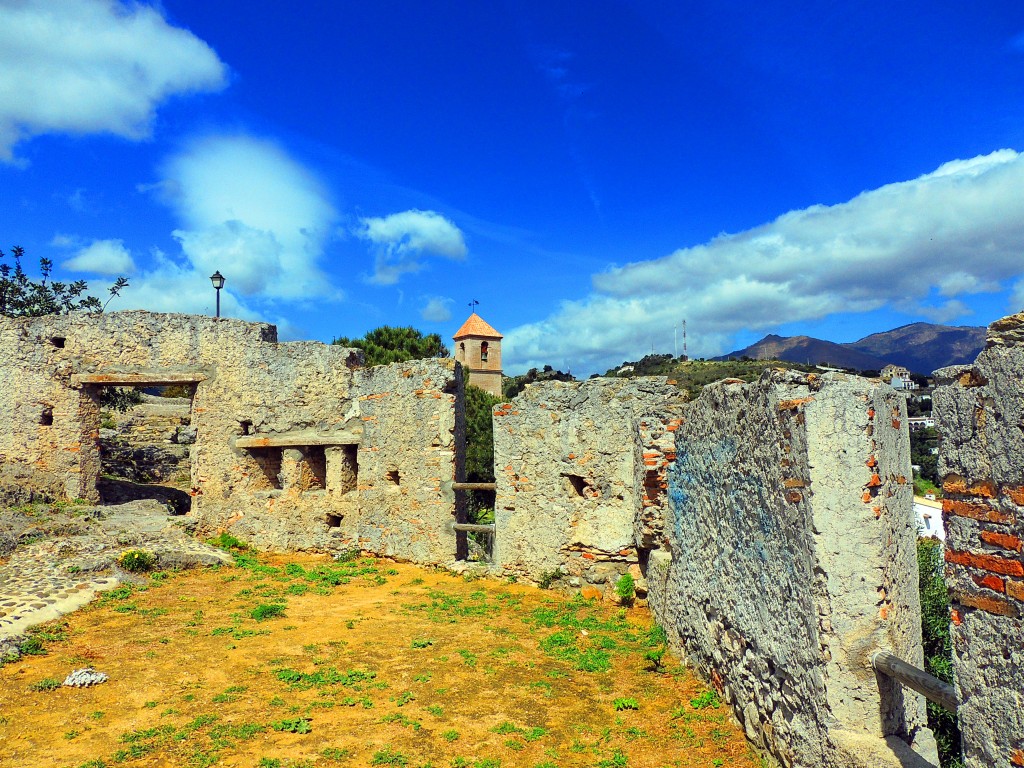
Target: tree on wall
{"type": "Point", "coordinates": [389, 344]}
{"type": "Point", "coordinates": [21, 296]}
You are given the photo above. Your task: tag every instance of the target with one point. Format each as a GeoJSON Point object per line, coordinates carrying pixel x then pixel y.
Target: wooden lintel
{"type": "Point", "coordinates": [297, 439]}
{"type": "Point", "coordinates": [474, 528]}
{"type": "Point", "coordinates": [152, 379]}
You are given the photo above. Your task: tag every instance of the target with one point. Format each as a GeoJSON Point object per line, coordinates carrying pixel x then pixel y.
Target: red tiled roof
{"type": "Point", "coordinates": [476, 326]}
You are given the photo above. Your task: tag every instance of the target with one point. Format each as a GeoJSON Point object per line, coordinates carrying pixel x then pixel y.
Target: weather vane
{"type": "Point", "coordinates": [473, 305]}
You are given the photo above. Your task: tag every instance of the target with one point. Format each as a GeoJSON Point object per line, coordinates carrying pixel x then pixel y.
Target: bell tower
{"type": "Point", "coordinates": [478, 348]}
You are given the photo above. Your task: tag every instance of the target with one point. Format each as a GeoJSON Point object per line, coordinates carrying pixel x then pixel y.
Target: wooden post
{"type": "Point", "coordinates": [928, 686]}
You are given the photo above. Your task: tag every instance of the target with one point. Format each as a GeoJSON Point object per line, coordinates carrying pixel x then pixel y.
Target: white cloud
{"type": "Point", "coordinates": [402, 238]}
{"type": "Point", "coordinates": [93, 66]}
{"type": "Point", "coordinates": [438, 309]}
{"type": "Point", "coordinates": [252, 212]}
{"type": "Point", "coordinates": [102, 257]}
{"type": "Point", "coordinates": [956, 231]}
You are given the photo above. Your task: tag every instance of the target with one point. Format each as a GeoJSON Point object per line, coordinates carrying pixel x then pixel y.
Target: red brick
{"type": "Point", "coordinates": [1015, 589]}
{"type": "Point", "coordinates": [995, 605]}
{"type": "Point", "coordinates": [986, 562]}
{"type": "Point", "coordinates": [792, 482]}
{"type": "Point", "coordinates": [1017, 757]}
{"type": "Point", "coordinates": [867, 497]}
{"type": "Point", "coordinates": [1016, 494]}
{"type": "Point", "coordinates": [794, 496]}
{"type": "Point", "coordinates": [1004, 540]}
{"type": "Point", "coordinates": [991, 582]}
{"type": "Point", "coordinates": [975, 511]}
{"type": "Point", "coordinates": [895, 423]}
{"type": "Point", "coordinates": [955, 617]}
{"type": "Point", "coordinates": [789, 405]}
{"type": "Point", "coordinates": [871, 413]}
{"type": "Point", "coordinates": [874, 482]}
{"type": "Point", "coordinates": [872, 462]}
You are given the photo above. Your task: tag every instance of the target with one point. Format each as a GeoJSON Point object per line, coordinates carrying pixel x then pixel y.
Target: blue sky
{"type": "Point", "coordinates": [592, 173]}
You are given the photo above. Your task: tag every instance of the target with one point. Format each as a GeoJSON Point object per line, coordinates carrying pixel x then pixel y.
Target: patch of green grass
{"type": "Point", "coordinates": [422, 643]}
{"type": "Point", "coordinates": [334, 753]}
{"type": "Point", "coordinates": [620, 704]}
{"type": "Point", "coordinates": [403, 720]}
{"type": "Point", "coordinates": [705, 700]}
{"type": "Point", "coordinates": [388, 756]}
{"type": "Point", "coordinates": [293, 725]}
{"type": "Point", "coordinates": [46, 684]}
{"type": "Point", "coordinates": [266, 611]}
{"type": "Point", "coordinates": [228, 542]}
{"type": "Point", "coordinates": [450, 736]}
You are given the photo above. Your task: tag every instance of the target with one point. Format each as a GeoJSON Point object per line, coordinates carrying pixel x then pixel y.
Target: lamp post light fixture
{"type": "Point", "coordinates": [218, 282]}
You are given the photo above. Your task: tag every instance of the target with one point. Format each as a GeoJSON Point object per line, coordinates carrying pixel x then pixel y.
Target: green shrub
{"type": "Point", "coordinates": [938, 648]}
{"type": "Point", "coordinates": [705, 700]}
{"type": "Point", "coordinates": [625, 588]}
{"type": "Point", "coordinates": [621, 704]}
{"type": "Point", "coordinates": [267, 611]}
{"type": "Point", "coordinates": [137, 560]}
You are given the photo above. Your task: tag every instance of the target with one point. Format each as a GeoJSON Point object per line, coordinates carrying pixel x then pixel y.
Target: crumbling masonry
{"type": "Point", "coordinates": [297, 446]}
{"type": "Point", "coordinates": [769, 524]}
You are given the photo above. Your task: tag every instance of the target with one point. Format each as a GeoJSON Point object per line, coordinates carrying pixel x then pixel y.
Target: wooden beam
{"type": "Point", "coordinates": [297, 439]}
{"type": "Point", "coordinates": [474, 486]}
{"type": "Point", "coordinates": [152, 379]}
{"type": "Point", "coordinates": [474, 528]}
{"type": "Point", "coordinates": [930, 687]}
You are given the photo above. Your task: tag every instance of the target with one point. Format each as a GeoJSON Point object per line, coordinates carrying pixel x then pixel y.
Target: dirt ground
{"type": "Point", "coordinates": [295, 661]}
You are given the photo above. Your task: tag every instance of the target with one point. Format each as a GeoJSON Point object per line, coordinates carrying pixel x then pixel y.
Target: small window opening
{"type": "Point", "coordinates": [462, 350]}
{"type": "Point", "coordinates": [578, 484]}
{"type": "Point", "coordinates": [46, 417]}
{"type": "Point", "coordinates": [483, 352]}
{"type": "Point", "coordinates": [268, 462]}
{"type": "Point", "coordinates": [58, 341]}
{"type": "Point", "coordinates": [334, 521]}
{"type": "Point", "coordinates": [245, 427]}
{"type": "Point", "coordinates": [394, 476]}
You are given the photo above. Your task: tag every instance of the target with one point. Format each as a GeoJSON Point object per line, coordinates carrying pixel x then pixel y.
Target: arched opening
{"type": "Point", "coordinates": [483, 351]}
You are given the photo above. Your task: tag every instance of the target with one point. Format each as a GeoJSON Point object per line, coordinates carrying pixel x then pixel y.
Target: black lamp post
{"type": "Point", "coordinates": [218, 282]}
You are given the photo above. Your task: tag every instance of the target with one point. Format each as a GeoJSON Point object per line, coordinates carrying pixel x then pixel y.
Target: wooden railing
{"type": "Point", "coordinates": [929, 686]}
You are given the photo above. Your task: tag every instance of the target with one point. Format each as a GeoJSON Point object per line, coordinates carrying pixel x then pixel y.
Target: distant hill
{"type": "Point", "coordinates": [921, 347]}
{"type": "Point", "coordinates": [808, 350]}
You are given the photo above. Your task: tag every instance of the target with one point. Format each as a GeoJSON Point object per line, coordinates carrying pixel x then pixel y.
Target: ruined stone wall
{"type": "Point", "coordinates": [791, 559]}
{"type": "Point", "coordinates": [979, 412]}
{"type": "Point", "coordinates": [285, 433]}
{"type": "Point", "coordinates": [568, 479]}
{"type": "Point", "coordinates": [772, 523]}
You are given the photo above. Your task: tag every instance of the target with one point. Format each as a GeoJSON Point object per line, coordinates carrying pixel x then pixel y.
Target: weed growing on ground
{"type": "Point", "coordinates": [266, 611]}
{"type": "Point", "coordinates": [705, 700]}
{"type": "Point", "coordinates": [137, 560]}
{"type": "Point", "coordinates": [621, 704]}
{"type": "Point", "coordinates": [46, 684]}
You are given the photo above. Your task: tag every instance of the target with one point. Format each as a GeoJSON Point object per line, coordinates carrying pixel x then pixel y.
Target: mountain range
{"type": "Point", "coordinates": [921, 347]}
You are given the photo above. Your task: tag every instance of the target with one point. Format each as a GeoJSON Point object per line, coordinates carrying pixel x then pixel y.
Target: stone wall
{"type": "Point", "coordinates": [772, 524]}
{"type": "Point", "coordinates": [979, 411]}
{"type": "Point", "coordinates": [791, 558]}
{"type": "Point", "coordinates": [293, 445]}
{"type": "Point", "coordinates": [570, 480]}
